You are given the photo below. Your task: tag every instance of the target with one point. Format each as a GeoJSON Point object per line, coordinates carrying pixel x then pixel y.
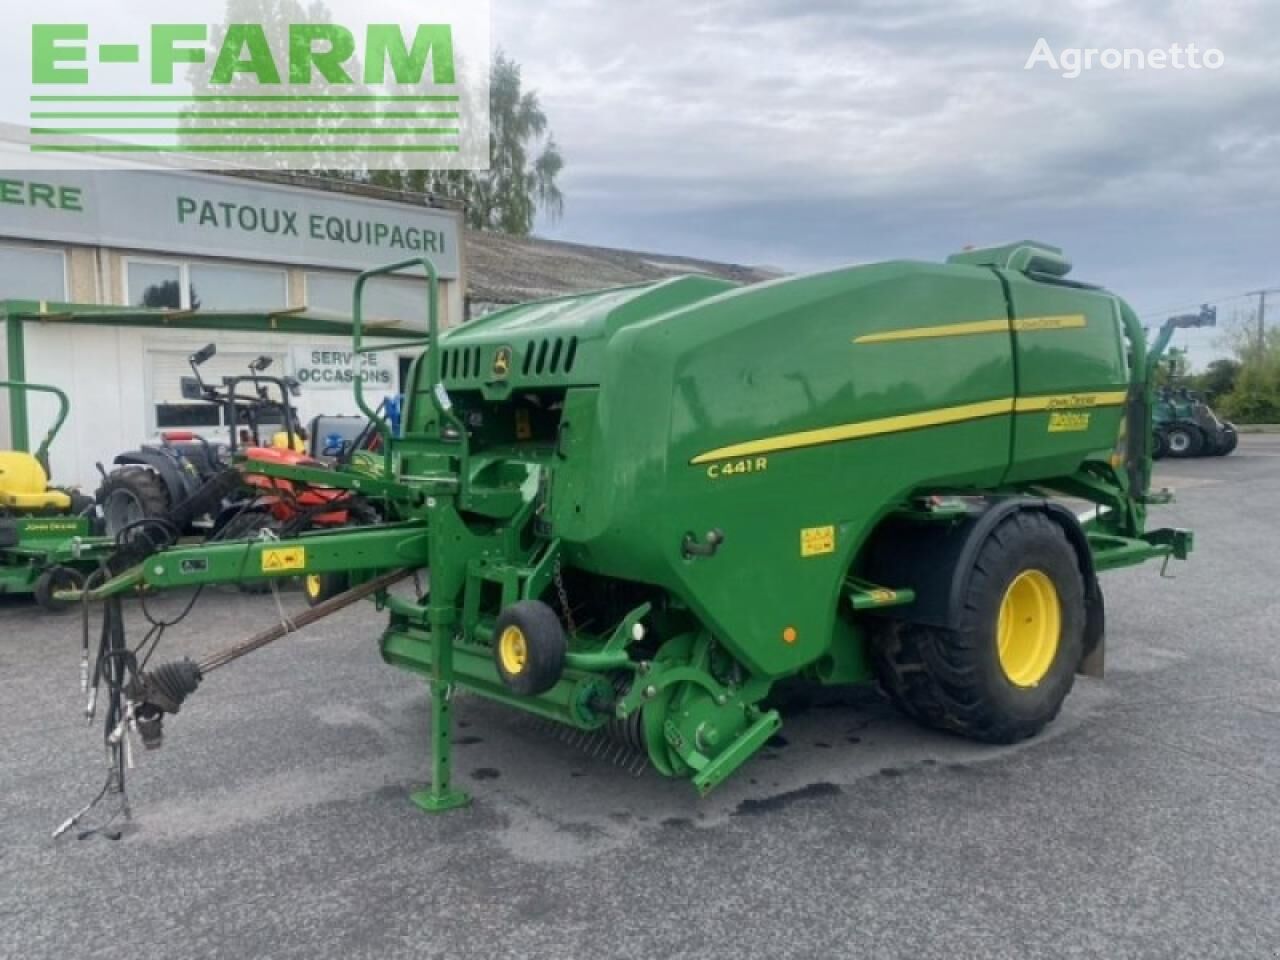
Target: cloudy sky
{"type": "Point", "coordinates": [811, 133]}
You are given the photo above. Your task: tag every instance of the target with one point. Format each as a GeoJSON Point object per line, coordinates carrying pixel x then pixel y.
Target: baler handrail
{"type": "Point", "coordinates": [438, 398]}
{"type": "Point", "coordinates": [64, 410]}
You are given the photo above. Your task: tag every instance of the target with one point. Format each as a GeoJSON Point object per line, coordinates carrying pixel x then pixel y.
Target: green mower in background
{"type": "Point", "coordinates": [640, 510]}
{"type": "Point", "coordinates": [46, 532]}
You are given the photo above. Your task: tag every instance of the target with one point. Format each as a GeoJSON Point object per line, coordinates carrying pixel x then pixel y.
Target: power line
{"type": "Point", "coordinates": [1191, 306]}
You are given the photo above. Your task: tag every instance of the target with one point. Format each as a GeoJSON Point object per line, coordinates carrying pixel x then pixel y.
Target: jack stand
{"type": "Point", "coordinates": [440, 797]}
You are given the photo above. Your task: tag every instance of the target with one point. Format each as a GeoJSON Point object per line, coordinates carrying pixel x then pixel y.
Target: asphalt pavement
{"type": "Point", "coordinates": [275, 822]}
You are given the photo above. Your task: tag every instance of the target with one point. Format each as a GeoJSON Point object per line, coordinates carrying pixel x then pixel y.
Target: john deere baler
{"type": "Point", "coordinates": [642, 508]}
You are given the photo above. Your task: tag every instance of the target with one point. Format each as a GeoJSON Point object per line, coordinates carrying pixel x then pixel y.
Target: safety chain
{"type": "Point", "coordinates": [558, 579]}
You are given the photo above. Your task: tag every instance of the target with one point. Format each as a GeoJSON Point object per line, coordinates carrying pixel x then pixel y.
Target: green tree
{"type": "Point", "coordinates": [1255, 395]}
{"type": "Point", "coordinates": [525, 163]}
{"type": "Point", "coordinates": [326, 125]}
{"type": "Point", "coordinates": [1218, 379]}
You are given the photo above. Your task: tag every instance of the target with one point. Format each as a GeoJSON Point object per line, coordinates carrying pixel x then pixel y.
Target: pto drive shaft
{"type": "Point", "coordinates": [163, 690]}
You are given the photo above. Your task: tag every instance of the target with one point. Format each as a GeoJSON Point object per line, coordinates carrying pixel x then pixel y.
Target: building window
{"type": "Point", "coordinates": [159, 284]}
{"type": "Point", "coordinates": [403, 299]}
{"type": "Point", "coordinates": [32, 273]}
{"type": "Point", "coordinates": [155, 285]}
{"type": "Point", "coordinates": [221, 287]}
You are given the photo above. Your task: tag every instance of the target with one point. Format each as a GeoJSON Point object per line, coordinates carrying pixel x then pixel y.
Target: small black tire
{"type": "Point", "coordinates": [50, 582]}
{"type": "Point", "coordinates": [956, 679]}
{"type": "Point", "coordinates": [1184, 440]}
{"type": "Point", "coordinates": [319, 587]}
{"type": "Point", "coordinates": [529, 647]}
{"type": "Point", "coordinates": [129, 495]}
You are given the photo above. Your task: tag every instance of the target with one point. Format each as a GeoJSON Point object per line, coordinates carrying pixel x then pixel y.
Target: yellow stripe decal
{"type": "Point", "coordinates": [912, 421]}
{"type": "Point", "coordinates": [857, 431]}
{"type": "Point", "coordinates": [944, 330]}
{"type": "Point", "coordinates": [1073, 321]}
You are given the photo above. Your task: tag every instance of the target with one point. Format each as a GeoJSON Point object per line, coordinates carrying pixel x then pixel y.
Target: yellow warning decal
{"type": "Point", "coordinates": [1068, 422]}
{"type": "Point", "coordinates": [280, 559]}
{"type": "Point", "coordinates": [815, 541]}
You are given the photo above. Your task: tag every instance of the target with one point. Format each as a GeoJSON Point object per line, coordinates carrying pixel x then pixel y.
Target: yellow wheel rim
{"type": "Point", "coordinates": [1029, 628]}
{"type": "Point", "coordinates": [513, 651]}
{"type": "Point", "coordinates": [312, 585]}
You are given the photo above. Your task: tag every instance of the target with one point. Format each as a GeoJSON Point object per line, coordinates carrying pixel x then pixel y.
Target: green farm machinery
{"type": "Point", "coordinates": [1186, 426]}
{"type": "Point", "coordinates": [46, 540]}
{"type": "Point", "coordinates": [1183, 425]}
{"type": "Point", "coordinates": [635, 512]}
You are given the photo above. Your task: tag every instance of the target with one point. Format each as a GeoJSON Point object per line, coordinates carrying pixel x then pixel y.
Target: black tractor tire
{"type": "Point", "coordinates": [130, 494]}
{"type": "Point", "coordinates": [50, 582]}
{"type": "Point", "coordinates": [1230, 440]}
{"type": "Point", "coordinates": [956, 679]}
{"type": "Point", "coordinates": [529, 647]}
{"type": "Point", "coordinates": [1159, 444]}
{"type": "Point", "coordinates": [248, 525]}
{"type": "Point", "coordinates": [319, 587]}
{"type": "Point", "coordinates": [1185, 440]}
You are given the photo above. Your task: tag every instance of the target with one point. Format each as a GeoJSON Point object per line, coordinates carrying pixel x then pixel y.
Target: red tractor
{"type": "Point", "coordinates": [148, 486]}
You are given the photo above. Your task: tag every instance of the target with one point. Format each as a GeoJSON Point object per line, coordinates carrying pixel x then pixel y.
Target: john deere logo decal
{"type": "Point", "coordinates": [502, 362]}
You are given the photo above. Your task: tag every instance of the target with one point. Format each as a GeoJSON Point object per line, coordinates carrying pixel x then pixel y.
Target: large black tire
{"type": "Point", "coordinates": [957, 680]}
{"type": "Point", "coordinates": [529, 647]}
{"type": "Point", "coordinates": [131, 494]}
{"type": "Point", "coordinates": [1230, 440]}
{"type": "Point", "coordinates": [1185, 440]}
{"type": "Point", "coordinates": [1159, 444]}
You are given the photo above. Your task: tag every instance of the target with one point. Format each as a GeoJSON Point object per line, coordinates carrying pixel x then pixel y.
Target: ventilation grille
{"type": "Point", "coordinates": [461, 364]}
{"type": "Point", "coordinates": [549, 356]}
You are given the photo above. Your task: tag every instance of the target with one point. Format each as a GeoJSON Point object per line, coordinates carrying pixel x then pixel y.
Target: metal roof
{"type": "Point", "coordinates": [286, 320]}
{"type": "Point", "coordinates": [505, 269]}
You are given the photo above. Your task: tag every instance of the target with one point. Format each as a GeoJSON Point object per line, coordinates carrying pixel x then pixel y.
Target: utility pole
{"type": "Point", "coordinates": [1262, 316]}
{"type": "Point", "coordinates": [1262, 320]}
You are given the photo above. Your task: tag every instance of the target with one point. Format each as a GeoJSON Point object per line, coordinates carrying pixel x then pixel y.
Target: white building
{"type": "Point", "coordinates": [259, 266]}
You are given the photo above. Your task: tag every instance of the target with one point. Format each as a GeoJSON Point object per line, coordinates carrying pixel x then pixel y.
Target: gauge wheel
{"type": "Point", "coordinates": [319, 587]}
{"type": "Point", "coordinates": [529, 647]}
{"type": "Point", "coordinates": [53, 581]}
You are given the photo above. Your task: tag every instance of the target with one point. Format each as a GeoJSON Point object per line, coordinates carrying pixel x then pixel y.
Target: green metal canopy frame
{"type": "Point", "coordinates": [15, 314]}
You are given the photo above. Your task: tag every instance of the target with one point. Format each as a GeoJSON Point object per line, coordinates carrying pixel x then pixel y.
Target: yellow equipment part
{"type": "Point", "coordinates": [25, 486]}
{"type": "Point", "coordinates": [281, 442]}
{"type": "Point", "coordinates": [513, 649]}
{"type": "Point", "coordinates": [1029, 628]}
